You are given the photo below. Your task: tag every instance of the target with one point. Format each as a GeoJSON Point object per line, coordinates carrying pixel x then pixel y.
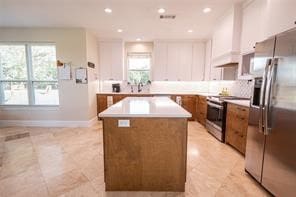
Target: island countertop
{"type": "Point", "coordinates": [146, 107]}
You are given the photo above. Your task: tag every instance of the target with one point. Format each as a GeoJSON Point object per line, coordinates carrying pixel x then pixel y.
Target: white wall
{"type": "Point", "coordinates": [92, 55]}
{"type": "Point", "coordinates": [75, 100]}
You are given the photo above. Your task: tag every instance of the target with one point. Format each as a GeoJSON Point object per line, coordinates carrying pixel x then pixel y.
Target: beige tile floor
{"type": "Point", "coordinates": [69, 162]}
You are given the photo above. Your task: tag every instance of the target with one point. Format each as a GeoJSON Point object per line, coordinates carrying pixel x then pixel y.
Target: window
{"type": "Point", "coordinates": [28, 74]}
{"type": "Point", "coordinates": [138, 66]}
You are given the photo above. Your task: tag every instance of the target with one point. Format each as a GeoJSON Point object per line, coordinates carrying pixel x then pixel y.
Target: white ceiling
{"type": "Point", "coordinates": [137, 18]}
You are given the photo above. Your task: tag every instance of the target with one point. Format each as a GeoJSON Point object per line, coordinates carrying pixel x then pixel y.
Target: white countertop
{"type": "Point", "coordinates": [159, 93]}
{"type": "Point", "coordinates": [146, 107]}
{"type": "Point", "coordinates": [245, 103]}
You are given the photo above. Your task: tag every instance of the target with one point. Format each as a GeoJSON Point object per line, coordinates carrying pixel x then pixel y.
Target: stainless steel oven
{"type": "Point", "coordinates": [216, 115]}
{"type": "Point", "coordinates": [215, 123]}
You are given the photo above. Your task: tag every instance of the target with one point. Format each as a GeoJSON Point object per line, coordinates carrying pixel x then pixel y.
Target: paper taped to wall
{"type": "Point", "coordinates": [65, 72]}
{"type": "Point", "coordinates": [81, 75]}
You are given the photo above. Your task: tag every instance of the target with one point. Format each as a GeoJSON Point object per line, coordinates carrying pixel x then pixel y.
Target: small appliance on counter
{"type": "Point", "coordinates": [116, 87]}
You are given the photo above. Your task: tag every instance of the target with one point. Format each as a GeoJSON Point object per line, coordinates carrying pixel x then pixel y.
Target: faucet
{"type": "Point", "coordinates": [140, 85]}
{"type": "Point", "coordinates": [132, 89]}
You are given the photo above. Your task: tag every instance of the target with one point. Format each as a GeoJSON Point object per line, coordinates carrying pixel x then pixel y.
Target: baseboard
{"type": "Point", "coordinates": [47, 123]}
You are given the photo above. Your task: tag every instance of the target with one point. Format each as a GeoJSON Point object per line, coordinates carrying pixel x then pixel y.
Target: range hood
{"type": "Point", "coordinates": [230, 59]}
{"type": "Point", "coordinates": [228, 65]}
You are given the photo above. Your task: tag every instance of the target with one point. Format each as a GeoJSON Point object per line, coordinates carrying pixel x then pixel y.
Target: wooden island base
{"type": "Point", "coordinates": [150, 155]}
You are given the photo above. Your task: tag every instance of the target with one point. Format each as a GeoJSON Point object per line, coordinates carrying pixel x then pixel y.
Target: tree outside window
{"type": "Point", "coordinates": [138, 67]}
{"type": "Point", "coordinates": [28, 74]}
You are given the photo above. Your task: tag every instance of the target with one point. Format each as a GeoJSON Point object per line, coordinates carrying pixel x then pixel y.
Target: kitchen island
{"type": "Point", "coordinates": [145, 145]}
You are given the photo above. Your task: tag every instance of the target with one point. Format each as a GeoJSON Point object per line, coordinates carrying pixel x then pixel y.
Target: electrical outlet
{"type": "Point", "coordinates": [123, 123]}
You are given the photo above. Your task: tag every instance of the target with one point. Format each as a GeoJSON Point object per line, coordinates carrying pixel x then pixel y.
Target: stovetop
{"type": "Point", "coordinates": [221, 99]}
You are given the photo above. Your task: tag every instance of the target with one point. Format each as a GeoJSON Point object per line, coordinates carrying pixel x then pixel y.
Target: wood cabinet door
{"type": "Point", "coordinates": [188, 103]}
{"type": "Point", "coordinates": [236, 126]}
{"type": "Point", "coordinates": [117, 98]}
{"type": "Point", "coordinates": [202, 110]}
{"type": "Point", "coordinates": [101, 103]}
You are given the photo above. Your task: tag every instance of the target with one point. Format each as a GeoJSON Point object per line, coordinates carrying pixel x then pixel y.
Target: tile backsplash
{"type": "Point", "coordinates": [243, 88]}
{"type": "Point", "coordinates": [240, 88]}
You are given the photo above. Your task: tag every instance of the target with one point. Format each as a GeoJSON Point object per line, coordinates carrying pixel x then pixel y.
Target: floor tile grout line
{"type": "Point", "coordinates": [43, 178]}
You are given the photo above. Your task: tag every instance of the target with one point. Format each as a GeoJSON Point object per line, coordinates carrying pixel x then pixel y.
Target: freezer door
{"type": "Point", "coordinates": [255, 145]}
{"type": "Point", "coordinates": [255, 136]}
{"type": "Point", "coordinates": [263, 52]}
{"type": "Point", "coordinates": [279, 167]}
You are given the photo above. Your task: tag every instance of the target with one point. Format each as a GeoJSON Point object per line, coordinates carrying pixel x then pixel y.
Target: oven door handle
{"type": "Point", "coordinates": [214, 105]}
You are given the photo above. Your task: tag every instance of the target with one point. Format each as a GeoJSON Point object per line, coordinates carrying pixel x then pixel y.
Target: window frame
{"type": "Point", "coordinates": [30, 76]}
{"type": "Point", "coordinates": [148, 54]}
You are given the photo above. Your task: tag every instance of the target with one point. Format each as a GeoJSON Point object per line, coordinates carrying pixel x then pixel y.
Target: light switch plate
{"type": "Point", "coordinates": [123, 123]}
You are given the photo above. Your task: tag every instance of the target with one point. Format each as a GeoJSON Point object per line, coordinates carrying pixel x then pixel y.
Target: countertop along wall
{"type": "Point", "coordinates": [71, 44]}
{"type": "Point", "coordinates": [239, 88]}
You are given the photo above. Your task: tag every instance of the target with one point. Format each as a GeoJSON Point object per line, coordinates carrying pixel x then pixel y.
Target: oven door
{"type": "Point", "coordinates": [215, 119]}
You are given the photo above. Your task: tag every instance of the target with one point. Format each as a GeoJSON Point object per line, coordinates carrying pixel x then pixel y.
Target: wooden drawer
{"type": "Point", "coordinates": [236, 126]}
{"type": "Point", "coordinates": [201, 109]}
{"type": "Point", "coordinates": [236, 139]}
{"type": "Point", "coordinates": [117, 98]}
{"type": "Point", "coordinates": [237, 110]}
{"type": "Point", "coordinates": [188, 103]}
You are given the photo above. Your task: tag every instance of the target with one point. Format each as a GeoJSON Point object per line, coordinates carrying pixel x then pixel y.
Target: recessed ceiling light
{"type": "Point", "coordinates": [108, 10]}
{"type": "Point", "coordinates": [138, 39]}
{"type": "Point", "coordinates": [207, 10]}
{"type": "Point", "coordinates": [190, 31]}
{"type": "Point", "coordinates": [119, 30]}
{"type": "Point", "coordinates": [161, 10]}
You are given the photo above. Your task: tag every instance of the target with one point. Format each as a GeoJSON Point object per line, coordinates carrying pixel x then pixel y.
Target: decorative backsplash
{"type": "Point", "coordinates": [243, 88]}
{"type": "Point", "coordinates": [240, 88]}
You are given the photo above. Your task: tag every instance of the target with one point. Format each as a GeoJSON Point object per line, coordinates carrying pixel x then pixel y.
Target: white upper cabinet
{"type": "Point", "coordinates": [253, 22]}
{"type": "Point", "coordinates": [159, 68]}
{"type": "Point", "coordinates": [208, 60]}
{"type": "Point", "coordinates": [264, 18]}
{"type": "Point", "coordinates": [178, 61]}
{"type": "Point", "coordinates": [173, 61]}
{"type": "Point", "coordinates": [185, 62]}
{"type": "Point", "coordinates": [226, 38]}
{"type": "Point", "coordinates": [111, 60]}
{"type": "Point", "coordinates": [281, 16]}
{"type": "Point", "coordinates": [198, 62]}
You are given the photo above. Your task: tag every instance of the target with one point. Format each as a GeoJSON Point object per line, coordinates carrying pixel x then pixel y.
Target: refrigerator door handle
{"type": "Point", "coordinates": [262, 97]}
{"type": "Point", "coordinates": [268, 96]}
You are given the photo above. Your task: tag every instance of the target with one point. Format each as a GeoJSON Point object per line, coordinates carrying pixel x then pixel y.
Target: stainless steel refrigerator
{"type": "Point", "coordinates": [271, 138]}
